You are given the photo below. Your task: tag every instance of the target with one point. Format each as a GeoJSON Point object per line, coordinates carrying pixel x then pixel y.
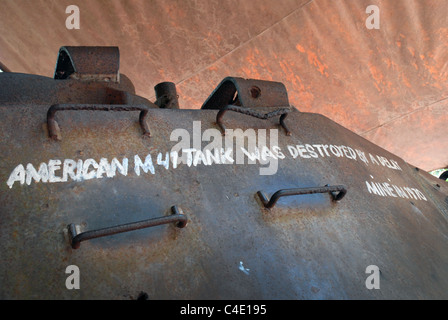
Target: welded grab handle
{"type": "Point", "coordinates": [282, 112]}
{"type": "Point", "coordinates": [76, 238]}
{"type": "Point", "coordinates": [53, 127]}
{"type": "Point", "coordinates": [342, 190]}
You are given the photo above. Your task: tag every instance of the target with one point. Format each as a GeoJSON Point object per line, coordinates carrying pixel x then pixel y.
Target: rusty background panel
{"type": "Point", "coordinates": [321, 50]}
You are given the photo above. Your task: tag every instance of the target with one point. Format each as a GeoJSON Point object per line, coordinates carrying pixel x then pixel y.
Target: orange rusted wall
{"type": "Point", "coordinates": [390, 85]}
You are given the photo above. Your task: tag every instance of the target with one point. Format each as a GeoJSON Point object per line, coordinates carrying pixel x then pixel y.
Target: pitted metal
{"type": "Point", "coordinates": [177, 218]}
{"type": "Point", "coordinates": [270, 203]}
{"type": "Point", "coordinates": [88, 63]}
{"type": "Point", "coordinates": [166, 95]}
{"type": "Point", "coordinates": [282, 112]}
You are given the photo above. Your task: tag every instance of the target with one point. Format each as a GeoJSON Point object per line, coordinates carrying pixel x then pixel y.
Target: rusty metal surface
{"type": "Point", "coordinates": [158, 40]}
{"type": "Point", "coordinates": [166, 95]}
{"type": "Point", "coordinates": [370, 81]}
{"type": "Point", "coordinates": [444, 176]}
{"type": "Point", "coordinates": [25, 88]}
{"type": "Point", "coordinates": [307, 247]}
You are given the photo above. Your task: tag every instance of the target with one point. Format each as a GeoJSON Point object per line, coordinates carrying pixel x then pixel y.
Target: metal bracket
{"type": "Point", "coordinates": [340, 189]}
{"type": "Point", "coordinates": [177, 217]}
{"type": "Point", "coordinates": [88, 63]}
{"type": "Point", "coordinates": [247, 93]}
{"type": "Point", "coordinates": [243, 95]}
{"type": "Point", "coordinates": [53, 127]}
{"type": "Point", "coordinates": [283, 112]}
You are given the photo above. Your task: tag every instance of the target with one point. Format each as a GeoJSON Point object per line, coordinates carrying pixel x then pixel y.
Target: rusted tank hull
{"type": "Point", "coordinates": [305, 247]}
{"type": "Point", "coordinates": [388, 84]}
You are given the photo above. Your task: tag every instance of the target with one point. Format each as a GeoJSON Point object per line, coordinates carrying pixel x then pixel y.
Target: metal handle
{"type": "Point", "coordinates": [342, 190]}
{"type": "Point", "coordinates": [177, 217]}
{"type": "Point", "coordinates": [283, 112]}
{"type": "Point", "coordinates": [53, 127]}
